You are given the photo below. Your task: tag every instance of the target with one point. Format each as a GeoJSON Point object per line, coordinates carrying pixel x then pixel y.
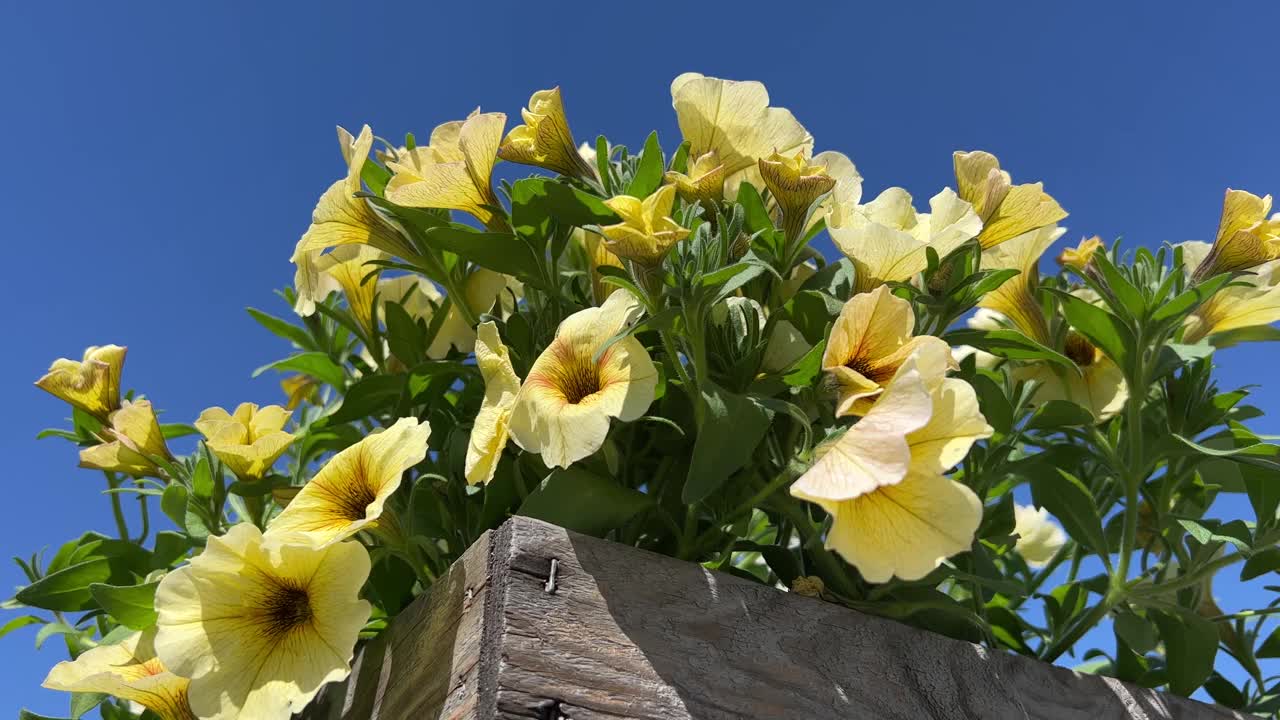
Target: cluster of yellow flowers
{"type": "Point", "coordinates": [259, 620]}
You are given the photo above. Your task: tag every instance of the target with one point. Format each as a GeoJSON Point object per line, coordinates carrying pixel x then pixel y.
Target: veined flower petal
{"type": "Point", "coordinates": [250, 441]}
{"type": "Point", "coordinates": [457, 175]}
{"type": "Point", "coordinates": [128, 670]}
{"type": "Point", "coordinates": [490, 431]}
{"type": "Point", "coordinates": [91, 384]}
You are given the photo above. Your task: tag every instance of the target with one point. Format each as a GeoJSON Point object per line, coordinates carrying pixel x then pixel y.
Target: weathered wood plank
{"type": "Point", "coordinates": [618, 633]}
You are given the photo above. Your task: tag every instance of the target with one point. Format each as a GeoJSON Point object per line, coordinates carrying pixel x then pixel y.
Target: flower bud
{"type": "Point", "coordinates": [704, 183]}
{"type": "Point", "coordinates": [795, 182]}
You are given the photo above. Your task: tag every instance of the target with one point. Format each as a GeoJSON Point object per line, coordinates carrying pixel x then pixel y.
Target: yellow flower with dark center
{"type": "Point", "coordinates": [704, 182]}
{"type": "Point", "coordinates": [544, 140]}
{"type": "Point", "coordinates": [569, 396]}
{"type": "Point", "coordinates": [870, 343]}
{"type": "Point", "coordinates": [647, 231]}
{"type": "Point", "coordinates": [1079, 256]}
{"type": "Point", "coordinates": [259, 623]}
{"type": "Point", "coordinates": [1099, 387]}
{"type": "Point", "coordinates": [91, 384]}
{"type": "Point", "coordinates": [733, 119]}
{"type": "Point", "coordinates": [455, 171]}
{"type": "Point", "coordinates": [133, 442]}
{"type": "Point", "coordinates": [340, 218]}
{"type": "Point", "coordinates": [894, 512]}
{"type": "Point", "coordinates": [248, 441]}
{"type": "Point", "coordinates": [888, 241]}
{"type": "Point", "coordinates": [349, 492]}
{"type": "Point", "coordinates": [501, 386]}
{"type": "Point", "coordinates": [128, 670]}
{"type": "Point", "coordinates": [1016, 298]}
{"type": "Point", "coordinates": [1007, 210]}
{"type": "Point", "coordinates": [1246, 236]}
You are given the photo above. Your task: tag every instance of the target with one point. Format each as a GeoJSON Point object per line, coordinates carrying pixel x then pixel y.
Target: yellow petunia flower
{"type": "Point", "coordinates": [1252, 300]}
{"type": "Point", "coordinates": [340, 218]}
{"type": "Point", "coordinates": [260, 624]}
{"type": "Point", "coordinates": [349, 492]}
{"type": "Point", "coordinates": [1246, 236]}
{"type": "Point", "coordinates": [482, 289]}
{"type": "Point", "coordinates": [1099, 387]}
{"type": "Point", "coordinates": [250, 440]}
{"type": "Point", "coordinates": [128, 670]}
{"type": "Point", "coordinates": [501, 386]}
{"type": "Point", "coordinates": [569, 396]}
{"type": "Point", "coordinates": [299, 388]}
{"type": "Point", "coordinates": [455, 171]}
{"type": "Point", "coordinates": [92, 384]}
{"type": "Point", "coordinates": [1039, 537]}
{"type": "Point", "coordinates": [795, 181]}
{"type": "Point", "coordinates": [133, 439]}
{"type": "Point", "coordinates": [1016, 300]}
{"type": "Point", "coordinates": [545, 140]}
{"type": "Point", "coordinates": [704, 182]}
{"type": "Point", "coordinates": [887, 240]}
{"type": "Point", "coordinates": [870, 343]}
{"type": "Point", "coordinates": [1079, 256]}
{"type": "Point", "coordinates": [647, 231]}
{"type": "Point", "coordinates": [1007, 210]}
{"type": "Point", "coordinates": [893, 512]}
{"type": "Point", "coordinates": [351, 269]}
{"type": "Point", "coordinates": [598, 256]}
{"type": "Point", "coordinates": [733, 119]}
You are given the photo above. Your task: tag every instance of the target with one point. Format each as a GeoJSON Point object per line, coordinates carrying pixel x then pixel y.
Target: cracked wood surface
{"type": "Point", "coordinates": [618, 633]}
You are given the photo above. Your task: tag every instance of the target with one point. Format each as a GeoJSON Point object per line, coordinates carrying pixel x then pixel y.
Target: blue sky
{"type": "Point", "coordinates": [164, 157]}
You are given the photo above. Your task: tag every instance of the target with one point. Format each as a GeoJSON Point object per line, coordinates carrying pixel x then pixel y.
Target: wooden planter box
{"type": "Point", "coordinates": [535, 621]}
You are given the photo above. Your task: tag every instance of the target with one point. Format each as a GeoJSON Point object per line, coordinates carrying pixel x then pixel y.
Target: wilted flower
{"type": "Point", "coordinates": [1079, 256]}
{"type": "Point", "coordinates": [259, 623]}
{"type": "Point", "coordinates": [544, 140]}
{"type": "Point", "coordinates": [1007, 210]}
{"type": "Point", "coordinates": [128, 670]}
{"type": "Point", "coordinates": [733, 119]}
{"type": "Point", "coordinates": [870, 342]}
{"type": "Point", "coordinates": [1015, 300]}
{"type": "Point", "coordinates": [887, 240]}
{"type": "Point", "coordinates": [501, 386]}
{"type": "Point", "coordinates": [1039, 537]}
{"type": "Point", "coordinates": [647, 230]}
{"type": "Point", "coordinates": [91, 384]}
{"type": "Point", "coordinates": [453, 172]}
{"type": "Point", "coordinates": [134, 441]}
{"type": "Point", "coordinates": [250, 440]}
{"type": "Point", "coordinates": [569, 395]}
{"type": "Point", "coordinates": [340, 218]}
{"type": "Point", "coordinates": [1246, 236]}
{"type": "Point", "coordinates": [704, 182]}
{"type": "Point", "coordinates": [893, 511]}
{"type": "Point", "coordinates": [349, 492]}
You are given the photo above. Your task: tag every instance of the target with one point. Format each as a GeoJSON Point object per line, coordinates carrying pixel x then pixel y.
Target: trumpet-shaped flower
{"type": "Point", "coordinates": [733, 119]}
{"type": "Point", "coordinates": [1039, 537]}
{"type": "Point", "coordinates": [482, 289]}
{"type": "Point", "coordinates": [893, 511]}
{"type": "Point", "coordinates": [340, 218]}
{"type": "Point", "coordinates": [704, 182]}
{"type": "Point", "coordinates": [576, 385]}
{"type": "Point", "coordinates": [349, 492]}
{"type": "Point", "coordinates": [598, 256]}
{"type": "Point", "coordinates": [501, 386]}
{"type": "Point", "coordinates": [1007, 210]}
{"type": "Point", "coordinates": [887, 240]}
{"type": "Point", "coordinates": [353, 269]}
{"type": "Point", "coordinates": [454, 172]}
{"type": "Point", "coordinates": [1015, 300]}
{"type": "Point", "coordinates": [1246, 236]}
{"type": "Point", "coordinates": [544, 139]}
{"type": "Point", "coordinates": [250, 440]}
{"type": "Point", "coordinates": [259, 623]}
{"type": "Point", "coordinates": [795, 181]}
{"type": "Point", "coordinates": [870, 343]}
{"type": "Point", "coordinates": [647, 230]}
{"type": "Point", "coordinates": [91, 384]}
{"type": "Point", "coordinates": [1099, 386]}
{"type": "Point", "coordinates": [1079, 256]}
{"type": "Point", "coordinates": [135, 440]}
{"type": "Point", "coordinates": [128, 670]}
{"type": "Point", "coordinates": [1251, 300]}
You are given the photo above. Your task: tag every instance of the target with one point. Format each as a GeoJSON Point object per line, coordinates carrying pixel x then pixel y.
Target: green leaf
{"type": "Point", "coordinates": [68, 589]}
{"type": "Point", "coordinates": [1234, 532]}
{"type": "Point", "coordinates": [83, 702]}
{"type": "Point", "coordinates": [131, 605]}
{"type": "Point", "coordinates": [287, 330]}
{"type": "Point", "coordinates": [1191, 644]}
{"type": "Point", "coordinates": [1260, 563]}
{"type": "Point", "coordinates": [1102, 327]}
{"type": "Point", "coordinates": [404, 336]}
{"type": "Point", "coordinates": [202, 478]}
{"type": "Point", "coordinates": [1056, 414]}
{"type": "Point", "coordinates": [780, 560]}
{"type": "Point", "coordinates": [1253, 333]}
{"type": "Point", "coordinates": [1131, 299]}
{"type": "Point", "coordinates": [803, 371]}
{"type": "Point", "coordinates": [369, 396]}
{"type": "Point", "coordinates": [1189, 300]}
{"type": "Point", "coordinates": [731, 429]}
{"type": "Point", "coordinates": [648, 176]}
{"type": "Point", "coordinates": [500, 252]}
{"type": "Point", "coordinates": [1137, 631]}
{"type": "Point", "coordinates": [993, 402]}
{"type": "Point", "coordinates": [20, 622]}
{"type": "Point", "coordinates": [1009, 344]}
{"type": "Point", "coordinates": [170, 431]}
{"type": "Point", "coordinates": [26, 714]}
{"type": "Point", "coordinates": [1270, 648]}
{"type": "Point", "coordinates": [1070, 501]}
{"type": "Point", "coordinates": [582, 501]}
{"type": "Point", "coordinates": [312, 364]}
{"type": "Point", "coordinates": [1259, 454]}
{"type": "Point", "coordinates": [757, 215]}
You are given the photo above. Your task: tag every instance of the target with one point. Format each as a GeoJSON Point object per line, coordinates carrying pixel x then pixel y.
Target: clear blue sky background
{"type": "Point", "coordinates": [163, 158]}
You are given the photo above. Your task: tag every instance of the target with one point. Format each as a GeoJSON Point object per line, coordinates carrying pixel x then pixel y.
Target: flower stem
{"type": "Point", "coordinates": [122, 527]}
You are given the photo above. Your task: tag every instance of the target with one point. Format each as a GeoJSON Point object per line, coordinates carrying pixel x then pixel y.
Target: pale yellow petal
{"type": "Point", "coordinates": [1039, 537]}
{"type": "Point", "coordinates": [955, 425]}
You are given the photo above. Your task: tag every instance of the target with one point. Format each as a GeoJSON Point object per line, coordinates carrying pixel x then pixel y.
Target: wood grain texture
{"type": "Point", "coordinates": [620, 633]}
